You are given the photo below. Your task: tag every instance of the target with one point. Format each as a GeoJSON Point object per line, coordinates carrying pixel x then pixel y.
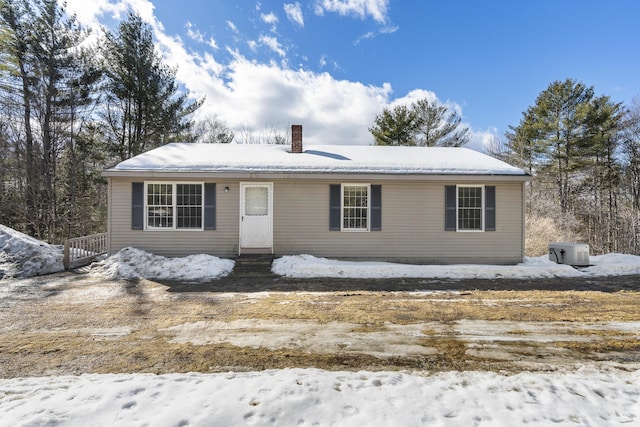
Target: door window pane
{"type": "Point", "coordinates": [256, 201]}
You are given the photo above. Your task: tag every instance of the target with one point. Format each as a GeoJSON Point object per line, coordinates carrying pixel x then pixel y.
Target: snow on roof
{"type": "Point", "coordinates": [178, 157]}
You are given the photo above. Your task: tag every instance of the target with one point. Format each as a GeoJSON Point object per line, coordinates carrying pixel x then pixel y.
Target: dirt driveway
{"type": "Point", "coordinates": [75, 323]}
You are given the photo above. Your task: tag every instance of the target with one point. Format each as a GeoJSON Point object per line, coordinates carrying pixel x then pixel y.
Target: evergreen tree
{"type": "Point", "coordinates": [395, 127]}
{"type": "Point", "coordinates": [424, 123]}
{"type": "Point", "coordinates": [437, 125]}
{"type": "Point", "coordinates": [555, 127]}
{"type": "Point", "coordinates": [583, 152]}
{"type": "Point", "coordinates": [603, 178]}
{"type": "Point", "coordinates": [17, 85]}
{"type": "Point", "coordinates": [144, 108]}
{"type": "Point", "coordinates": [41, 46]}
{"type": "Point", "coordinates": [630, 158]}
{"type": "Point", "coordinates": [630, 135]}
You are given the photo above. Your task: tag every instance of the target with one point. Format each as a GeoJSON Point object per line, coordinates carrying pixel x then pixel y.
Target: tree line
{"type": "Point", "coordinates": [70, 108]}
{"type": "Point", "coordinates": [583, 152]}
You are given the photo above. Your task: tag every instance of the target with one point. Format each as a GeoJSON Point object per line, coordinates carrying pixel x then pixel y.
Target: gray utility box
{"type": "Point", "coordinates": [569, 253]}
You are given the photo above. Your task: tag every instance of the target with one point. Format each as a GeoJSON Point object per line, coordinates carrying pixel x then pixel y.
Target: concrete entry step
{"type": "Point", "coordinates": [253, 266]}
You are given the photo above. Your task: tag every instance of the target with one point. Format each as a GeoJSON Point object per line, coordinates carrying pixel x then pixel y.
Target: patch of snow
{"type": "Point", "coordinates": [290, 397]}
{"type": "Point", "coordinates": [132, 263]}
{"type": "Point", "coordinates": [317, 159]}
{"type": "Point", "coordinates": [23, 256]}
{"type": "Point", "coordinates": [613, 265]}
{"type": "Point", "coordinates": [389, 340]}
{"type": "Point", "coordinates": [306, 266]}
{"type": "Point", "coordinates": [332, 337]}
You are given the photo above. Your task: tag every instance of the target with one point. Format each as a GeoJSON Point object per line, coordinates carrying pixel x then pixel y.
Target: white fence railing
{"type": "Point", "coordinates": [82, 250]}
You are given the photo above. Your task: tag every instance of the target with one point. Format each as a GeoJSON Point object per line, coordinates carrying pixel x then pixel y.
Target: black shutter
{"type": "Point", "coordinates": [334, 206]}
{"type": "Point", "coordinates": [376, 207]}
{"type": "Point", "coordinates": [450, 206]}
{"type": "Point", "coordinates": [490, 208]}
{"type": "Point", "coordinates": [137, 205]}
{"type": "Point", "coordinates": [209, 210]}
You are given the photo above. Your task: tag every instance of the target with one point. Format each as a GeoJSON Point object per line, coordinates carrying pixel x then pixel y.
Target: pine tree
{"type": "Point", "coordinates": [143, 106]}
{"type": "Point", "coordinates": [423, 123]}
{"type": "Point", "coordinates": [603, 178]}
{"type": "Point", "coordinates": [437, 125]}
{"type": "Point", "coordinates": [395, 127]}
{"type": "Point", "coordinates": [41, 47]}
{"type": "Point", "coordinates": [555, 127]}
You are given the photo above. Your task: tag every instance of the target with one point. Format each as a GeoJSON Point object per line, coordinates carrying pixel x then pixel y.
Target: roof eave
{"type": "Point", "coordinates": [249, 174]}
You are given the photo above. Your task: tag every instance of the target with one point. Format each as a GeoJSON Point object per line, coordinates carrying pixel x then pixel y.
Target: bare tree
{"type": "Point", "coordinates": [213, 131]}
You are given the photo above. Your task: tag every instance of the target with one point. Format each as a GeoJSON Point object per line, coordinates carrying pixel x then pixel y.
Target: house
{"type": "Point", "coordinates": [407, 204]}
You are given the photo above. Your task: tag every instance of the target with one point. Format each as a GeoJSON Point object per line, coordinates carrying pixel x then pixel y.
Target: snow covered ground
{"type": "Point", "coordinates": [307, 397]}
{"type": "Point", "coordinates": [539, 267]}
{"type": "Point", "coordinates": [23, 256]}
{"type": "Point", "coordinates": [590, 396]}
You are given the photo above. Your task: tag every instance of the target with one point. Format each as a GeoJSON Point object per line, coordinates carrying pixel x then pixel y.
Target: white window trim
{"type": "Point", "coordinates": [464, 230]}
{"type": "Point", "coordinates": [355, 230]}
{"type": "Point", "coordinates": [174, 199]}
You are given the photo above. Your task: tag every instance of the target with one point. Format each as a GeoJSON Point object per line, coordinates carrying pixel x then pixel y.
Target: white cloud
{"type": "Point", "coordinates": [413, 96]}
{"type": "Point", "coordinates": [213, 44]}
{"type": "Point", "coordinates": [242, 92]}
{"type": "Point", "coordinates": [269, 18]}
{"type": "Point", "coordinates": [389, 29]}
{"type": "Point", "coordinates": [331, 111]}
{"type": "Point", "coordinates": [484, 140]}
{"type": "Point", "coordinates": [193, 33]}
{"type": "Point", "coordinates": [232, 26]}
{"type": "Point", "coordinates": [376, 9]}
{"type": "Point", "coordinates": [273, 44]}
{"type": "Point", "coordinates": [88, 13]}
{"type": "Point", "coordinates": [366, 36]}
{"type": "Point", "coordinates": [294, 13]}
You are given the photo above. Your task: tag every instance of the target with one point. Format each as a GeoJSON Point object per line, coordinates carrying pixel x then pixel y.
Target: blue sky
{"type": "Point", "coordinates": [332, 65]}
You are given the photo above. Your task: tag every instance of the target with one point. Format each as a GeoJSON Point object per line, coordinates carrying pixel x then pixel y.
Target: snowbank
{"type": "Point", "coordinates": [132, 263]}
{"type": "Point", "coordinates": [305, 266]}
{"type": "Point", "coordinates": [23, 256]}
{"type": "Point", "coordinates": [315, 397]}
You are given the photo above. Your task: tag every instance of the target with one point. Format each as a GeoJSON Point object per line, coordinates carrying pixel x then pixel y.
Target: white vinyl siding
{"type": "Point", "coordinates": [412, 229]}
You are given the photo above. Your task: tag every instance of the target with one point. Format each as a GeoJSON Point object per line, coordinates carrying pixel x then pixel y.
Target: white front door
{"type": "Point", "coordinates": [256, 212]}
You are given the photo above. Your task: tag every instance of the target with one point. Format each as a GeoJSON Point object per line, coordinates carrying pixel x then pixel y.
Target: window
{"type": "Point", "coordinates": [470, 208]}
{"type": "Point", "coordinates": [159, 206]}
{"type": "Point", "coordinates": [189, 205]}
{"type": "Point", "coordinates": [355, 207]}
{"type": "Point", "coordinates": [256, 201]}
{"type": "Point", "coordinates": [174, 206]}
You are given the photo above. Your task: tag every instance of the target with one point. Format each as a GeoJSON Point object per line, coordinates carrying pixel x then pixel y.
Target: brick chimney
{"type": "Point", "coordinates": [296, 138]}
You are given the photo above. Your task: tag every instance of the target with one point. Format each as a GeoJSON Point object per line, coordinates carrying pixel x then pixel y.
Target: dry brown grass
{"type": "Point", "coordinates": [129, 333]}
{"type": "Point", "coordinates": [376, 308]}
